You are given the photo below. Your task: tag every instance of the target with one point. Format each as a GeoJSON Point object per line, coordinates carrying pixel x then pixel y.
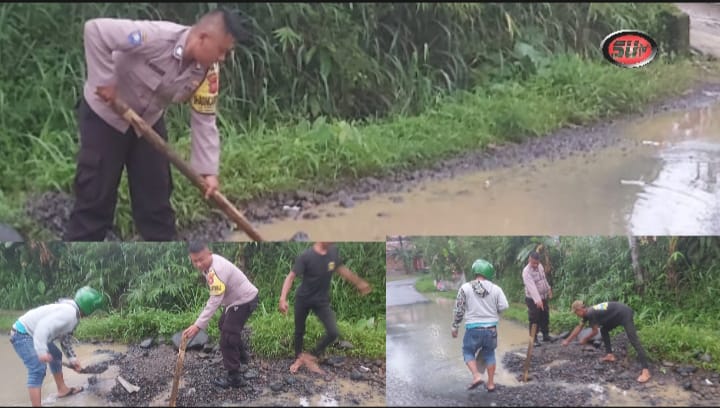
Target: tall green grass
{"type": "Point", "coordinates": [330, 91]}
{"type": "Point", "coordinates": [138, 276]}
{"type": "Point", "coordinates": [271, 335]}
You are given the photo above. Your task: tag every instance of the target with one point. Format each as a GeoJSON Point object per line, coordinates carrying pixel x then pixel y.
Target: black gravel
{"type": "Point", "coordinates": [267, 381]}
{"type": "Point", "coordinates": [583, 367]}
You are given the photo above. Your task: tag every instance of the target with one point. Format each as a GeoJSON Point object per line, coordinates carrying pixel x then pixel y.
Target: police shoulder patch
{"type": "Point", "coordinates": [216, 286]}
{"type": "Point", "coordinates": [205, 98]}
{"type": "Point", "coordinates": [136, 38]}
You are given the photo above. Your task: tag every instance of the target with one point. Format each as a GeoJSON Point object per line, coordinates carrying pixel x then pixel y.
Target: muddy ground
{"type": "Point", "coordinates": [268, 382]}
{"type": "Point", "coordinates": [575, 376]}
{"type": "Point", "coordinates": [51, 209]}
{"type": "Point", "coordinates": [581, 366]}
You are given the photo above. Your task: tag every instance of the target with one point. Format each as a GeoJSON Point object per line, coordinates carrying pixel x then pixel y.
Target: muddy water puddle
{"type": "Point", "coordinates": [13, 377]}
{"type": "Point", "coordinates": [425, 367]}
{"type": "Point", "coordinates": [650, 395]}
{"type": "Point", "coordinates": [422, 356]}
{"type": "Point", "coordinates": [661, 178]}
{"type": "Point", "coordinates": [332, 396]}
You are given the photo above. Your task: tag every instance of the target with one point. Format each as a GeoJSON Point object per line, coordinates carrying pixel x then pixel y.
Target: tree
{"type": "Point", "coordinates": [637, 269]}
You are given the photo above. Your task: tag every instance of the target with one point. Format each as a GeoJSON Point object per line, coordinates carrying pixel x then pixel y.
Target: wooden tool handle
{"type": "Point", "coordinates": [139, 124]}
{"type": "Point", "coordinates": [178, 371]}
{"type": "Point", "coordinates": [533, 332]}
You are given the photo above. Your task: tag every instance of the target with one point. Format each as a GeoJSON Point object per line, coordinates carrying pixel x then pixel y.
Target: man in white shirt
{"type": "Point", "coordinates": [480, 303]}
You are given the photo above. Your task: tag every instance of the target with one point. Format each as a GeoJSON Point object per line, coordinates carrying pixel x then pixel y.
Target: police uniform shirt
{"type": "Point", "coordinates": [144, 60]}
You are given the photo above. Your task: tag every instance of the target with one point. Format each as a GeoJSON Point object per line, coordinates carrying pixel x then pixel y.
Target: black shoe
{"type": "Point", "coordinates": [228, 381]}
{"type": "Point", "coordinates": [537, 343]}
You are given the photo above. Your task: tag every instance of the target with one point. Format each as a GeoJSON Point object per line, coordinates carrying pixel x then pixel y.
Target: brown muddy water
{"type": "Point", "coordinates": [13, 378]}
{"type": "Point", "coordinates": [423, 359]}
{"type": "Point", "coordinates": [660, 179]}
{"type": "Point", "coordinates": [425, 366]}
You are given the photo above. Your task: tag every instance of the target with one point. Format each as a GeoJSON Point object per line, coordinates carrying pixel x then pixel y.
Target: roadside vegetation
{"type": "Point", "coordinates": [672, 283]}
{"type": "Point", "coordinates": [331, 91]}
{"type": "Point", "coordinates": [153, 290]}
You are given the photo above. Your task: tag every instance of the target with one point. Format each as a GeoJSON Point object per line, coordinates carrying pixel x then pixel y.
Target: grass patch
{"type": "Point", "coordinates": [7, 318]}
{"type": "Point", "coordinates": [134, 326]}
{"type": "Point", "coordinates": [680, 343]}
{"type": "Point", "coordinates": [263, 160]}
{"type": "Point", "coordinates": [425, 284]}
{"type": "Point", "coordinates": [272, 333]}
{"type": "Point", "coordinates": [662, 340]}
{"type": "Point", "coordinates": [273, 336]}
{"type": "Point", "coordinates": [560, 321]}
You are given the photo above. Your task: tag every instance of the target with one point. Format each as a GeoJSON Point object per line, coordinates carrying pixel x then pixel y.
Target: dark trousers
{"type": "Point", "coordinates": [232, 322]}
{"type": "Point", "coordinates": [629, 325]}
{"type": "Point", "coordinates": [104, 152]}
{"type": "Point", "coordinates": [539, 317]}
{"type": "Point", "coordinates": [326, 316]}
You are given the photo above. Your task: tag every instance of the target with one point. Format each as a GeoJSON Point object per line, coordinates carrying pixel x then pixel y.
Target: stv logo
{"type": "Point", "coordinates": [629, 48]}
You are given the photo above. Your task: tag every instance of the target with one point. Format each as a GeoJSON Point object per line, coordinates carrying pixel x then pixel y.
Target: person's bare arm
{"type": "Point", "coordinates": [591, 335]}
{"type": "Point", "coordinates": [362, 286]}
{"type": "Point", "coordinates": [574, 333]}
{"type": "Point", "coordinates": [287, 285]}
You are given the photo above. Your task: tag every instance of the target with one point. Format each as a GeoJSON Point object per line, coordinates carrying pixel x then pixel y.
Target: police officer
{"type": "Point", "coordinates": [231, 288]}
{"type": "Point", "coordinates": [149, 65]}
{"type": "Point", "coordinates": [537, 293]}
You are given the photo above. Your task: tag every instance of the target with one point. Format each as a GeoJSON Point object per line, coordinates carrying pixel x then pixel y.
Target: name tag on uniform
{"type": "Point", "coordinates": [205, 98]}
{"type": "Point", "coordinates": [216, 286]}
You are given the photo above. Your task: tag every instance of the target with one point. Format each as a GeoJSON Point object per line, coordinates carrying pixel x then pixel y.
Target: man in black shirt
{"type": "Point", "coordinates": [609, 315]}
{"type": "Point", "coordinates": [316, 266]}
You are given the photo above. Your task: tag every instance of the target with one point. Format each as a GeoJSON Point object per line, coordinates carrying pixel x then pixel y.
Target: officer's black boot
{"type": "Point", "coordinates": [233, 379]}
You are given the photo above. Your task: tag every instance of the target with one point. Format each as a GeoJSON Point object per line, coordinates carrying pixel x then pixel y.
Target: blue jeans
{"type": "Point", "coordinates": [23, 344]}
{"type": "Point", "coordinates": [484, 340]}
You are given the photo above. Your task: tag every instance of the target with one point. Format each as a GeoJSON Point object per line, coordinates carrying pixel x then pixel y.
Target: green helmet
{"type": "Point", "coordinates": [484, 268]}
{"type": "Point", "coordinates": [88, 300]}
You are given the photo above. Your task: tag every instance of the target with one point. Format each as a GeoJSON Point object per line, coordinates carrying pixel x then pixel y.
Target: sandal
{"type": "Point", "coordinates": [475, 385]}
{"type": "Point", "coordinates": [73, 391]}
{"type": "Point", "coordinates": [491, 389]}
